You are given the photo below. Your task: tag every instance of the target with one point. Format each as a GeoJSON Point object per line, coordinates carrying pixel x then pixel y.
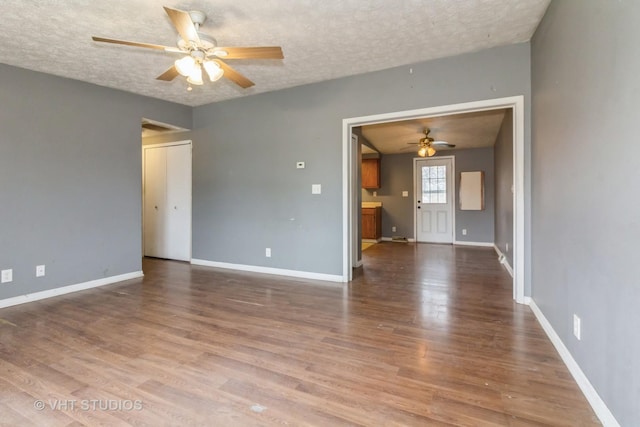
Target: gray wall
{"type": "Point", "coordinates": [503, 163]}
{"type": "Point", "coordinates": [479, 224]}
{"type": "Point", "coordinates": [70, 178]}
{"type": "Point", "coordinates": [397, 176]}
{"type": "Point", "coordinates": [586, 175]}
{"type": "Point", "coordinates": [247, 192]}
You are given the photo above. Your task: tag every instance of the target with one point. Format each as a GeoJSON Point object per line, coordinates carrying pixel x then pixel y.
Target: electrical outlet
{"type": "Point", "coordinates": [7, 276]}
{"type": "Point", "coordinates": [375, 194]}
{"type": "Point", "coordinates": [40, 270]}
{"type": "Point", "coordinates": [576, 326]}
{"type": "Point", "coordinates": [316, 189]}
{"type": "Point", "coordinates": [393, 228]}
{"type": "Point", "coordinates": [464, 231]}
{"type": "Point", "coordinates": [267, 252]}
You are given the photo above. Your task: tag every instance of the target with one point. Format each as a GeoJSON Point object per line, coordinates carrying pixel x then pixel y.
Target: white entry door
{"type": "Point", "coordinates": [434, 200]}
{"type": "Point", "coordinates": [167, 201]}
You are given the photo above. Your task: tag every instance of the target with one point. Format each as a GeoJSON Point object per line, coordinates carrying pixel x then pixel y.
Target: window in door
{"type": "Point", "coordinates": [434, 184]}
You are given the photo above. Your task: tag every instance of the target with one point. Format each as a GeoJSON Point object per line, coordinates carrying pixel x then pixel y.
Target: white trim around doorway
{"type": "Point", "coordinates": [350, 179]}
{"type": "Point", "coordinates": [188, 142]}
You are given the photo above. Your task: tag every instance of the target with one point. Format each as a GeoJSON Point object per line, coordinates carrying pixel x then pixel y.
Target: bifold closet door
{"type": "Point", "coordinates": [167, 202]}
{"type": "Point", "coordinates": [178, 223]}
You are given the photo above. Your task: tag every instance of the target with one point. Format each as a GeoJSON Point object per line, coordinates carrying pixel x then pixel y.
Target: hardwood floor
{"type": "Point", "coordinates": [425, 335]}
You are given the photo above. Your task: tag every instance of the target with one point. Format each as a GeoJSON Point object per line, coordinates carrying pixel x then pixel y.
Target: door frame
{"type": "Point", "coordinates": [350, 168]}
{"type": "Point", "coordinates": [356, 249]}
{"type": "Point", "coordinates": [453, 194]}
{"type": "Point", "coordinates": [159, 145]}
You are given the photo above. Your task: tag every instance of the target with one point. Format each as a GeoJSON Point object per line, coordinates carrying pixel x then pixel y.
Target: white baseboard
{"type": "Point", "coordinates": [464, 243]}
{"type": "Point", "coordinates": [269, 270]}
{"type": "Point", "coordinates": [598, 405]}
{"type": "Point", "coordinates": [22, 299]}
{"type": "Point", "coordinates": [390, 239]}
{"type": "Point", "coordinates": [504, 261]}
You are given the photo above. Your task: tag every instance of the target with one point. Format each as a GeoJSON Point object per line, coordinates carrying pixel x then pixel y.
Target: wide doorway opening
{"type": "Point", "coordinates": [352, 156]}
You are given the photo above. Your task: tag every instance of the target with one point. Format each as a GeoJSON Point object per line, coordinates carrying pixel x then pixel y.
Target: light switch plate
{"type": "Point", "coordinates": [577, 327]}
{"type": "Point", "coordinates": [405, 194]}
{"type": "Point", "coordinates": [40, 271]}
{"type": "Point", "coordinates": [316, 189]}
{"type": "Point", "coordinates": [7, 276]}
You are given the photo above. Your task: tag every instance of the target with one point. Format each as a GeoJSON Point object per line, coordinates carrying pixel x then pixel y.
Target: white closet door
{"type": "Point", "coordinates": [155, 177]}
{"type": "Point", "coordinates": [167, 202]}
{"type": "Point", "coordinates": [179, 202]}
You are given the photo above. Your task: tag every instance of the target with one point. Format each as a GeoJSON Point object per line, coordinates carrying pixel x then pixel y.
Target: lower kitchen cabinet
{"type": "Point", "coordinates": [372, 223]}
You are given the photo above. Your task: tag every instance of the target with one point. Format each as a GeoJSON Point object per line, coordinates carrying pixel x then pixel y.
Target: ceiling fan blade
{"type": "Point", "coordinates": [267, 52]}
{"type": "Point", "coordinates": [234, 76]}
{"type": "Point", "coordinates": [168, 75]}
{"type": "Point", "coordinates": [136, 44]}
{"type": "Point", "coordinates": [443, 144]}
{"type": "Point", "coordinates": [183, 23]}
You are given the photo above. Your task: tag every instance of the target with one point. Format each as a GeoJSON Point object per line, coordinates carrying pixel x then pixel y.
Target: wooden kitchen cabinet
{"type": "Point", "coordinates": [370, 173]}
{"type": "Point", "coordinates": [372, 223]}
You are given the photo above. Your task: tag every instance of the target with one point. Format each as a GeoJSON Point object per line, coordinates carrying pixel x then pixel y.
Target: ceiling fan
{"type": "Point", "coordinates": [200, 51]}
{"type": "Point", "coordinates": [426, 144]}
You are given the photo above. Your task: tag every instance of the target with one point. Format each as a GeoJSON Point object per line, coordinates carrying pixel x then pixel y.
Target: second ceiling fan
{"type": "Point", "coordinates": [200, 51]}
{"type": "Point", "coordinates": [427, 144]}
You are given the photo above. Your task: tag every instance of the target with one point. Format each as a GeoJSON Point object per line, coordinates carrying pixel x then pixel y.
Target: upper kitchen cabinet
{"type": "Point", "coordinates": [370, 173]}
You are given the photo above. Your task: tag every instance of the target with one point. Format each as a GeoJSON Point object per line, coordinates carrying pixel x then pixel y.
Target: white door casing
{"type": "Point", "coordinates": [356, 255]}
{"type": "Point", "coordinates": [167, 201]}
{"type": "Point", "coordinates": [434, 204]}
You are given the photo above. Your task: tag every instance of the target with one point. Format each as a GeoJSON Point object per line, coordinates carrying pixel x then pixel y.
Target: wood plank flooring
{"type": "Point", "coordinates": [426, 335]}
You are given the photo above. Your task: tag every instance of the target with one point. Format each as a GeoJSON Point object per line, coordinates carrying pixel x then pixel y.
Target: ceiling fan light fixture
{"type": "Point", "coordinates": [195, 78]}
{"type": "Point", "coordinates": [422, 152]}
{"type": "Point", "coordinates": [185, 66]}
{"type": "Point", "coordinates": [213, 70]}
{"type": "Point", "coordinates": [430, 151]}
{"type": "Point", "coordinates": [196, 47]}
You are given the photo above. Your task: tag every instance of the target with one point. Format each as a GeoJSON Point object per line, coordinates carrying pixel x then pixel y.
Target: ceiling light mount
{"type": "Point", "coordinates": [197, 17]}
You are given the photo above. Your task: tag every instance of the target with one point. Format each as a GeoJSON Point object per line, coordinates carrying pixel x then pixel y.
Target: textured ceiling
{"type": "Point", "coordinates": [467, 130]}
{"type": "Point", "coordinates": [321, 40]}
